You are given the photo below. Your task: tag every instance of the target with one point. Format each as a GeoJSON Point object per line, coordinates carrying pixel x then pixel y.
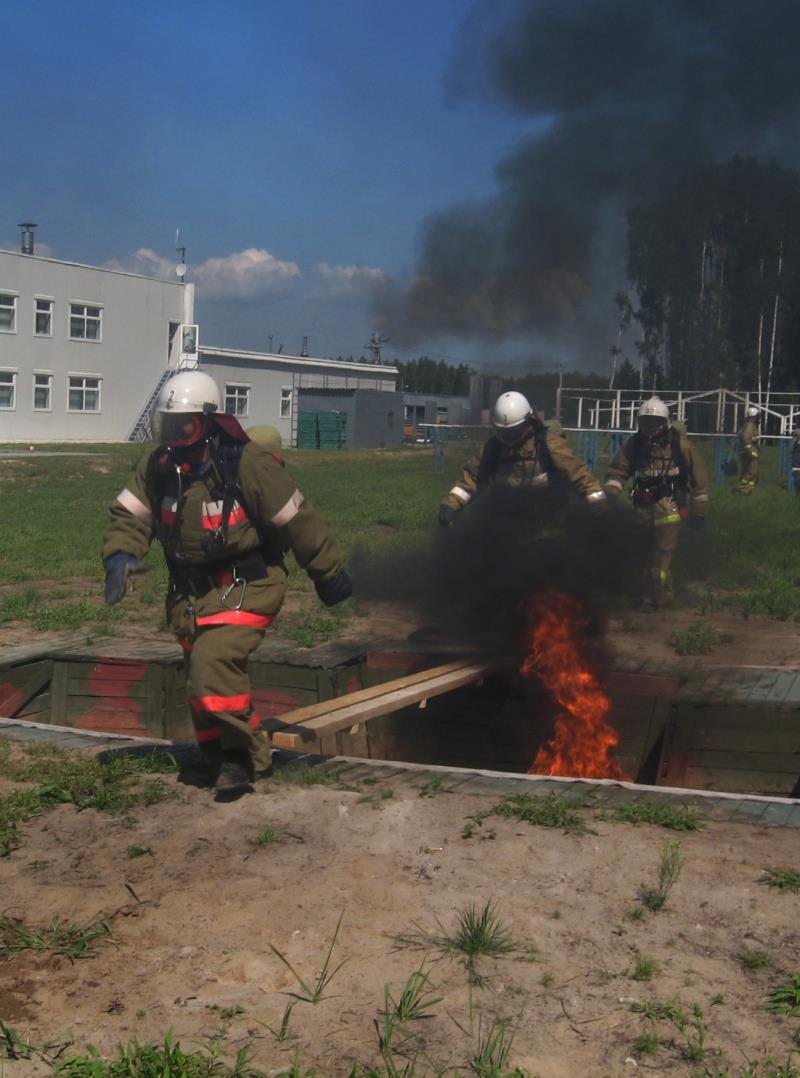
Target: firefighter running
{"type": "Point", "coordinates": [749, 437]}
{"type": "Point", "coordinates": [523, 453]}
{"type": "Point", "coordinates": [225, 511]}
{"type": "Point", "coordinates": [669, 484]}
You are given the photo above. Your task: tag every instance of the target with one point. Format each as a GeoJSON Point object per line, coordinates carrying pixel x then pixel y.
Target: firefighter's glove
{"type": "Point", "coordinates": [118, 568]}
{"type": "Point", "coordinates": [446, 515]}
{"type": "Point", "coordinates": [697, 523]}
{"type": "Point", "coordinates": [335, 590]}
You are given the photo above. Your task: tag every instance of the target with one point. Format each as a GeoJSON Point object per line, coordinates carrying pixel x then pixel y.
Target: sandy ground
{"type": "Point", "coordinates": [193, 919]}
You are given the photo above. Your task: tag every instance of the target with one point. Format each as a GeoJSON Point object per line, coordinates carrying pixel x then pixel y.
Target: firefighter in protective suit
{"type": "Point", "coordinates": [749, 437]}
{"type": "Point", "coordinates": [225, 511]}
{"type": "Point", "coordinates": [523, 453]}
{"type": "Point", "coordinates": [670, 483]}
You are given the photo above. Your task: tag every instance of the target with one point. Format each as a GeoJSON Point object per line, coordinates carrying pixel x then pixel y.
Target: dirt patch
{"type": "Point", "coordinates": [194, 917]}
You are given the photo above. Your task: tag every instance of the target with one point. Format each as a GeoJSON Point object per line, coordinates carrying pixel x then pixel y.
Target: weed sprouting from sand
{"type": "Point", "coordinates": [547, 810]}
{"type": "Point", "coordinates": [752, 960]}
{"type": "Point", "coordinates": [645, 967]}
{"type": "Point", "coordinates": [782, 879]}
{"type": "Point", "coordinates": [669, 869]}
{"type": "Point", "coordinates": [314, 990]}
{"type": "Point", "coordinates": [478, 933]}
{"type": "Point", "coordinates": [69, 938]}
{"type": "Point", "coordinates": [673, 817]}
{"type": "Point", "coordinates": [785, 999]}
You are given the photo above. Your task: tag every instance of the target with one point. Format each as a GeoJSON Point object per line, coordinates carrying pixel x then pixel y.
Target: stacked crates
{"type": "Point", "coordinates": [322, 430]}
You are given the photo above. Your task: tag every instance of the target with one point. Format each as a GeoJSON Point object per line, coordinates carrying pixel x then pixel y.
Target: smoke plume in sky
{"type": "Point", "coordinates": [624, 97]}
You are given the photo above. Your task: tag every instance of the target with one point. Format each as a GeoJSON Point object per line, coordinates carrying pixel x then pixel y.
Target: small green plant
{"type": "Point", "coordinates": [695, 1048]}
{"type": "Point", "coordinates": [68, 938]}
{"type": "Point", "coordinates": [669, 869]}
{"type": "Point", "coordinates": [547, 810]}
{"type": "Point", "coordinates": [645, 1045]}
{"type": "Point", "coordinates": [673, 817]}
{"type": "Point", "coordinates": [645, 967]}
{"type": "Point", "coordinates": [136, 1060]}
{"type": "Point", "coordinates": [139, 851]}
{"type": "Point", "coordinates": [661, 1010]}
{"type": "Point", "coordinates": [375, 798]}
{"type": "Point", "coordinates": [547, 980]}
{"type": "Point", "coordinates": [782, 879]}
{"type": "Point", "coordinates": [394, 1038]}
{"type": "Point", "coordinates": [282, 1032]}
{"type": "Point", "coordinates": [494, 1047]}
{"type": "Point", "coordinates": [314, 990]}
{"type": "Point", "coordinates": [699, 639]}
{"type": "Point", "coordinates": [752, 960]}
{"type": "Point", "coordinates": [13, 1047]}
{"type": "Point", "coordinates": [432, 788]}
{"type": "Point", "coordinates": [266, 836]}
{"type": "Point", "coordinates": [785, 999]}
{"type": "Point", "coordinates": [636, 913]}
{"type": "Point", "coordinates": [479, 933]}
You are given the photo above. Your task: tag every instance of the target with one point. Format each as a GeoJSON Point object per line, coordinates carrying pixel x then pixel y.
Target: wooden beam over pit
{"type": "Point", "coordinates": [307, 724]}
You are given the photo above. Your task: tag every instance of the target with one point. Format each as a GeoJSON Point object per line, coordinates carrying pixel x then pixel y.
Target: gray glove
{"type": "Point", "coordinates": [118, 568]}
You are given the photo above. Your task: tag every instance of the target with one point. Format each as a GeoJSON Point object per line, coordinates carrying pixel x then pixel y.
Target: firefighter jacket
{"type": "Point", "coordinates": [749, 437]}
{"type": "Point", "coordinates": [670, 479]}
{"type": "Point", "coordinates": [267, 516]}
{"type": "Point", "coordinates": [543, 463]}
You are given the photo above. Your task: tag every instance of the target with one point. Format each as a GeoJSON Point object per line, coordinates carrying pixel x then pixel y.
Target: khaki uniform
{"type": "Point", "coordinates": [543, 463]}
{"type": "Point", "coordinates": [749, 437]}
{"type": "Point", "coordinates": [225, 590]}
{"type": "Point", "coordinates": [670, 483]}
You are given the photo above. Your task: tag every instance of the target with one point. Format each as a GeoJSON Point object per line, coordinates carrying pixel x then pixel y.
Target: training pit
{"type": "Point", "coordinates": [734, 730]}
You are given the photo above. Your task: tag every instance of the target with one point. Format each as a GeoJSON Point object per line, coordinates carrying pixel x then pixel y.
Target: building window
{"type": "Point", "coordinates": [173, 329]}
{"type": "Point", "coordinates": [8, 312]}
{"type": "Point", "coordinates": [237, 399]}
{"type": "Point", "coordinates": [8, 390]}
{"type": "Point", "coordinates": [85, 322]}
{"type": "Point", "coordinates": [43, 318]}
{"type": "Point", "coordinates": [42, 392]}
{"type": "Point", "coordinates": [84, 393]}
{"type": "Point", "coordinates": [286, 404]}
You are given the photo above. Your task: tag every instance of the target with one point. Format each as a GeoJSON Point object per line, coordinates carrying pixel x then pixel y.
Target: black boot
{"type": "Point", "coordinates": [235, 775]}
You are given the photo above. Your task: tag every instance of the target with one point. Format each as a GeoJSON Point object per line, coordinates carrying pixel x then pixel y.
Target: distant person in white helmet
{"type": "Point", "coordinates": [670, 483]}
{"type": "Point", "coordinates": [524, 453]}
{"type": "Point", "coordinates": [749, 437]}
{"type": "Point", "coordinates": [225, 511]}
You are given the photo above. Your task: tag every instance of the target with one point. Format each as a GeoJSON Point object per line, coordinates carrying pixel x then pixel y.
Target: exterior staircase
{"type": "Point", "coordinates": [142, 429]}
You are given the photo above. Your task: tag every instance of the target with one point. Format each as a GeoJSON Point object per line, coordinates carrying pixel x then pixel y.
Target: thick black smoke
{"type": "Point", "coordinates": [474, 582]}
{"type": "Point", "coordinates": [630, 95]}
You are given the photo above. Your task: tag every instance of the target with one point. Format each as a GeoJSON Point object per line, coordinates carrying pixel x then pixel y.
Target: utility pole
{"type": "Point", "coordinates": [375, 346]}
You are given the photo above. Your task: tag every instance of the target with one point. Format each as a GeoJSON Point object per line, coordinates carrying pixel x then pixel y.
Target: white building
{"type": "Point", "coordinates": [81, 347]}
{"type": "Point", "coordinates": [84, 350]}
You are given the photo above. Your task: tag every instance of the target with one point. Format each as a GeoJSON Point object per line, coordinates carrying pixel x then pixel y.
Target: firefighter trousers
{"type": "Point", "coordinates": [218, 688]}
{"type": "Point", "coordinates": [749, 473]}
{"type": "Point", "coordinates": [665, 522]}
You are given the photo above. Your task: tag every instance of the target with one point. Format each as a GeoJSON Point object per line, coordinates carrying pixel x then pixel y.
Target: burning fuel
{"type": "Point", "coordinates": [583, 739]}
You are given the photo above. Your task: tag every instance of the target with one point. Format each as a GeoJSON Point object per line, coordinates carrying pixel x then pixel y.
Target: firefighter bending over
{"type": "Point", "coordinates": [225, 511]}
{"type": "Point", "coordinates": [669, 484]}
{"type": "Point", "coordinates": [749, 437]}
{"type": "Point", "coordinates": [523, 453]}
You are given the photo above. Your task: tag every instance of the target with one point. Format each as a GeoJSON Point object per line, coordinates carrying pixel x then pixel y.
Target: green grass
{"type": "Point", "coordinates": [672, 817]}
{"type": "Point", "coordinates": [167, 1060]}
{"type": "Point", "coordinates": [785, 999]}
{"type": "Point", "coordinates": [752, 960]}
{"type": "Point", "coordinates": [314, 989]}
{"type": "Point", "coordinates": [68, 938]}
{"type": "Point", "coordinates": [699, 639]}
{"type": "Point", "coordinates": [645, 968]}
{"type": "Point", "coordinates": [542, 810]}
{"type": "Point", "coordinates": [55, 510]}
{"type": "Point", "coordinates": [782, 879]}
{"type": "Point", "coordinates": [670, 863]}
{"type": "Point", "coordinates": [57, 776]}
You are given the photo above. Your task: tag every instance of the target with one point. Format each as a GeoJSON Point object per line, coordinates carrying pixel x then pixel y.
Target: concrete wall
{"type": "Point", "coordinates": [266, 377]}
{"type": "Point", "coordinates": [128, 359]}
{"type": "Point", "coordinates": [459, 409]}
{"type": "Point", "coordinates": [374, 417]}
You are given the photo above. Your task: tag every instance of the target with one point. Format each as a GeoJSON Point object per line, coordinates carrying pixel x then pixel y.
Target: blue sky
{"type": "Point", "coordinates": [314, 136]}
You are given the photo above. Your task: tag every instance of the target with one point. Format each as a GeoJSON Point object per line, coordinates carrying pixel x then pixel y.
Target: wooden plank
{"type": "Point", "coordinates": [58, 693]}
{"type": "Point", "coordinates": [19, 686]}
{"type": "Point", "coordinates": [737, 760]}
{"type": "Point", "coordinates": [739, 739]}
{"type": "Point", "coordinates": [346, 711]}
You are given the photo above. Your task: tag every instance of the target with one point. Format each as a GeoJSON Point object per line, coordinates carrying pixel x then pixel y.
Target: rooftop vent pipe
{"type": "Point", "coordinates": [27, 237]}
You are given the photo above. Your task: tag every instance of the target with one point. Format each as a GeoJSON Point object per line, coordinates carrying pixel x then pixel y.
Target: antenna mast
{"type": "Point", "coordinates": [376, 343]}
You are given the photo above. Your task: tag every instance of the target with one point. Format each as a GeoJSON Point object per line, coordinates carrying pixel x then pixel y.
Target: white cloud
{"type": "Point", "coordinates": [347, 280]}
{"type": "Point", "coordinates": [242, 275]}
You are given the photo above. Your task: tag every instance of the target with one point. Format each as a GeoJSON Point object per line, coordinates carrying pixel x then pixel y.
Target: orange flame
{"type": "Point", "coordinates": [582, 740]}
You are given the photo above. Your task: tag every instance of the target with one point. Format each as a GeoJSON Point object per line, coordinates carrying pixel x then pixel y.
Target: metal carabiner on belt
{"type": "Point", "coordinates": [235, 583]}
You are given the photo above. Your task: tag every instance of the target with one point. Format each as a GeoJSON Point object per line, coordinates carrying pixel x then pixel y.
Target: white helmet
{"type": "Point", "coordinates": [752, 412]}
{"type": "Point", "coordinates": [184, 400]}
{"type": "Point", "coordinates": [510, 416]}
{"type": "Point", "coordinates": [653, 417]}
